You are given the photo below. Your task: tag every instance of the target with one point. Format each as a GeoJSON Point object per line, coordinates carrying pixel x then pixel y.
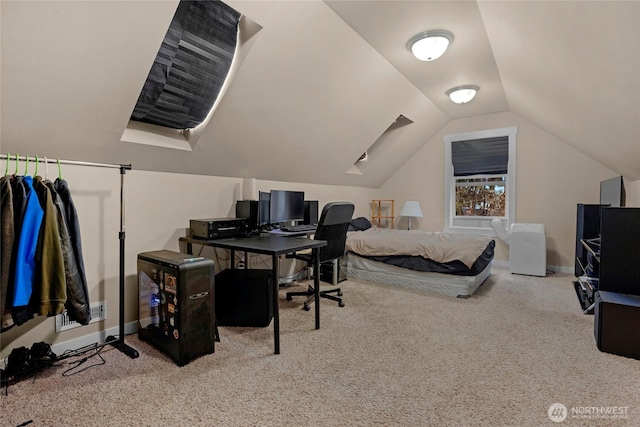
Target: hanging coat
{"type": "Point", "coordinates": [71, 218]}
{"type": "Point", "coordinates": [77, 301]}
{"type": "Point", "coordinates": [25, 263]}
{"type": "Point", "coordinates": [50, 287]}
{"type": "Point", "coordinates": [8, 237]}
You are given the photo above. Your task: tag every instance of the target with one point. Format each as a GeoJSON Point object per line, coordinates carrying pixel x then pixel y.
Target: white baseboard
{"type": "Point", "coordinates": [85, 340]}
{"type": "Point", "coordinates": [96, 337]}
{"type": "Point", "coordinates": [554, 268]}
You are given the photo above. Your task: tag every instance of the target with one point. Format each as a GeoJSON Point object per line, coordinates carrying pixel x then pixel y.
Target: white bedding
{"type": "Point", "coordinates": [436, 246]}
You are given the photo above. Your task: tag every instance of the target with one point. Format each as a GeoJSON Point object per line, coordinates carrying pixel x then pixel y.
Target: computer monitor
{"type": "Point", "coordinates": [612, 192]}
{"type": "Point", "coordinates": [263, 207]}
{"type": "Point", "coordinates": [286, 206]}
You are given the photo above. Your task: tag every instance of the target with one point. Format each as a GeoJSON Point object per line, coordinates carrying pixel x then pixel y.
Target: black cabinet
{"type": "Point", "coordinates": [617, 323]}
{"type": "Point", "coordinates": [587, 228]}
{"type": "Point", "coordinates": [620, 250]}
{"type": "Point", "coordinates": [587, 254]}
{"type": "Point", "coordinates": [607, 252]}
{"type": "Point", "coordinates": [608, 275]}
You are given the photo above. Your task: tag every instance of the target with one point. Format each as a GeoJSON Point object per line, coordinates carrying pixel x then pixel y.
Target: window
{"type": "Point", "coordinates": [188, 74]}
{"type": "Point", "coordinates": [481, 196]}
{"type": "Point", "coordinates": [480, 180]}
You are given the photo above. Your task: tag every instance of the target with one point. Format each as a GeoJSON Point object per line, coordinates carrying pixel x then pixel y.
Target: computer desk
{"type": "Point", "coordinates": [274, 245]}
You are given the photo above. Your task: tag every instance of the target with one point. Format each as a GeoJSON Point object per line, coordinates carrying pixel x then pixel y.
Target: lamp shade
{"type": "Point", "coordinates": [249, 189]}
{"type": "Point", "coordinates": [411, 208]}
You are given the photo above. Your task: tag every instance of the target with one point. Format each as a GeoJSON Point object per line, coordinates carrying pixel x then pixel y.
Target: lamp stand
{"type": "Point", "coordinates": [409, 223]}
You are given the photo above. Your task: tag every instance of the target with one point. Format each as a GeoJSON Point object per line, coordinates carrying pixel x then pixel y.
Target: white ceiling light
{"type": "Point", "coordinates": [462, 94]}
{"type": "Point", "coordinates": [430, 45]}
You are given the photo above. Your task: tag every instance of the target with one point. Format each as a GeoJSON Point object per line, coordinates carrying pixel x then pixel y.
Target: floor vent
{"type": "Point", "coordinates": [98, 313]}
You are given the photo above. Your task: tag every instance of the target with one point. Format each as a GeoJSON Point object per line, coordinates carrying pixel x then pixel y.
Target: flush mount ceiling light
{"type": "Point", "coordinates": [462, 94]}
{"type": "Point", "coordinates": [430, 45]}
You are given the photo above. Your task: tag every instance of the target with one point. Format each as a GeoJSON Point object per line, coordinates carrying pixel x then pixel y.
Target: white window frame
{"type": "Point", "coordinates": [475, 224]}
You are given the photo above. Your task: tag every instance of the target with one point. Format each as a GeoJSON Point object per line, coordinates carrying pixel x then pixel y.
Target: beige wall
{"type": "Point", "coordinates": [158, 207]}
{"type": "Point", "coordinates": [633, 193]}
{"type": "Point", "coordinates": [552, 177]}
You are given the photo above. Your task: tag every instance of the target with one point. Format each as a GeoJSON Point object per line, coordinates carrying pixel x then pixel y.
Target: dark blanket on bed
{"type": "Point", "coordinates": [456, 267]}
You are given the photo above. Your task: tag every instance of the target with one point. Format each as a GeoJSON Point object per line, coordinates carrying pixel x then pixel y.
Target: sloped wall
{"type": "Point", "coordinates": [552, 177]}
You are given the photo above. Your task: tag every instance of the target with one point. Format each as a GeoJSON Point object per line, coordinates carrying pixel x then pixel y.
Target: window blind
{"type": "Point", "coordinates": [489, 156]}
{"type": "Point", "coordinates": [190, 67]}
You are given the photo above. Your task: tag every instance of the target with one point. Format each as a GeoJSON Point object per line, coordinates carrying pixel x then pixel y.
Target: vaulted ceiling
{"type": "Point", "coordinates": [320, 83]}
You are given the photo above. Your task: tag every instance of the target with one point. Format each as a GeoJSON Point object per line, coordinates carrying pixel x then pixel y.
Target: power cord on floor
{"type": "Point", "coordinates": [88, 352]}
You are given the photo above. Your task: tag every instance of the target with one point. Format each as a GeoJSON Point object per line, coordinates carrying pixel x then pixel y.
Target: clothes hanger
{"type": "Point", "coordinates": [46, 168]}
{"type": "Point", "coordinates": [16, 172]}
{"type": "Point", "coordinates": [26, 166]}
{"type": "Point", "coordinates": [6, 165]}
{"type": "Point", "coordinates": [59, 170]}
{"type": "Point", "coordinates": [36, 171]}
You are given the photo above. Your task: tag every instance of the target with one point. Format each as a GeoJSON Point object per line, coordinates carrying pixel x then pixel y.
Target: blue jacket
{"type": "Point", "coordinates": [28, 241]}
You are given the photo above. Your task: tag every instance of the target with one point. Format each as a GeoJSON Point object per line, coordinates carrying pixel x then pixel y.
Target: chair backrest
{"type": "Point", "coordinates": [332, 227]}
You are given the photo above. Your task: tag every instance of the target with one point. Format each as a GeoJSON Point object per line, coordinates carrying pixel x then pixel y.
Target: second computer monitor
{"type": "Point", "coordinates": [263, 208]}
{"type": "Point", "coordinates": [286, 206]}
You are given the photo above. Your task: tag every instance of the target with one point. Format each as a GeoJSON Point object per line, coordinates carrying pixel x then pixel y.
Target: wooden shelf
{"type": "Point", "coordinates": [382, 212]}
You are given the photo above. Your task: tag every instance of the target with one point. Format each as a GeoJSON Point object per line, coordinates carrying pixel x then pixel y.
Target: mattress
{"type": "Point", "coordinates": [446, 284]}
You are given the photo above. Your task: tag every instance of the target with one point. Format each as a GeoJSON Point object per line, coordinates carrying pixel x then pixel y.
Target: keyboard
{"type": "Point", "coordinates": [299, 227]}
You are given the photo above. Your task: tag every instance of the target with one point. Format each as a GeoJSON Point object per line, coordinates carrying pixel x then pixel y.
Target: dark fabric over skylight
{"type": "Point", "coordinates": [191, 66]}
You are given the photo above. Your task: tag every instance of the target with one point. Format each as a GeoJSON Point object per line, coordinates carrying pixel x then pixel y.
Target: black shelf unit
{"type": "Point", "coordinates": [620, 250]}
{"type": "Point", "coordinates": [587, 232]}
{"type": "Point", "coordinates": [607, 252]}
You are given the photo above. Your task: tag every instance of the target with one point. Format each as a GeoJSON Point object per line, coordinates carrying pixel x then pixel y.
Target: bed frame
{"type": "Point", "coordinates": [446, 284]}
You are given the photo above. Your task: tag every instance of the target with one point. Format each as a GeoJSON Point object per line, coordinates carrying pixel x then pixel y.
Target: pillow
{"type": "Point", "coordinates": [359, 224]}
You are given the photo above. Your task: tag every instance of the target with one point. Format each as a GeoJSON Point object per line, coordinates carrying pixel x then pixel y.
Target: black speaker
{"type": "Point", "coordinates": [617, 323]}
{"type": "Point", "coordinates": [248, 209]}
{"type": "Point", "coordinates": [244, 297]}
{"type": "Point", "coordinates": [310, 211]}
{"type": "Point", "coordinates": [176, 304]}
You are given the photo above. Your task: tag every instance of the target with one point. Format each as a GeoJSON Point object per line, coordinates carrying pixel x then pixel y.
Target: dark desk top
{"type": "Point", "coordinates": [264, 243]}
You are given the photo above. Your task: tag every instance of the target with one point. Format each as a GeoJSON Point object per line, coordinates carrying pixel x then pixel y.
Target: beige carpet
{"type": "Point", "coordinates": [391, 357]}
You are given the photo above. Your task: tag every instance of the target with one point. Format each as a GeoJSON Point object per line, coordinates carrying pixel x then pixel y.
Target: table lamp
{"type": "Point", "coordinates": [411, 209]}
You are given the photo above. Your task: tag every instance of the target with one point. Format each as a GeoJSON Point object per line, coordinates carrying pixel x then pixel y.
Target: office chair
{"type": "Point", "coordinates": [332, 227]}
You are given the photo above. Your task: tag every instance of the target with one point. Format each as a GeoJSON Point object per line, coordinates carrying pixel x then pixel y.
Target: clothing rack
{"type": "Point", "coordinates": [110, 340]}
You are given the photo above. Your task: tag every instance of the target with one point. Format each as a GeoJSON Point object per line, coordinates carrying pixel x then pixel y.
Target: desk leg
{"type": "Point", "coordinates": [276, 310]}
{"type": "Point", "coordinates": [189, 248]}
{"type": "Point", "coordinates": [316, 285]}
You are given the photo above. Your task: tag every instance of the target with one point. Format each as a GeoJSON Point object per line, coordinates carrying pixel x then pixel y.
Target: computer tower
{"type": "Point", "coordinates": [176, 304]}
{"type": "Point", "coordinates": [310, 212]}
{"type": "Point", "coordinates": [333, 272]}
{"type": "Point", "coordinates": [244, 297]}
{"type": "Point", "coordinates": [617, 323]}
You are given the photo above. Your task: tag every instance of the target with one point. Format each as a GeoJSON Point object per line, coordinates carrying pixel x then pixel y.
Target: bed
{"type": "Point", "coordinates": [446, 263]}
